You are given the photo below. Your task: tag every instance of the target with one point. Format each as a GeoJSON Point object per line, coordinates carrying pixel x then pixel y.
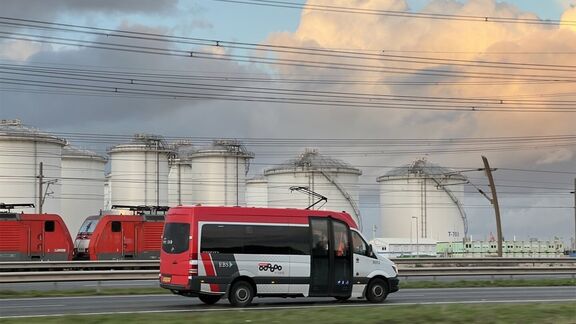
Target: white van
{"type": "Point", "coordinates": [242, 253]}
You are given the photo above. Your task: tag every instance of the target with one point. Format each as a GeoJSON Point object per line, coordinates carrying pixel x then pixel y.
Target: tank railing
{"type": "Point", "coordinates": [347, 196]}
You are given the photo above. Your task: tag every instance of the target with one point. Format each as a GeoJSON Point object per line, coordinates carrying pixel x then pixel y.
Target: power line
{"type": "Point", "coordinates": [402, 14]}
{"type": "Point", "coordinates": [348, 54]}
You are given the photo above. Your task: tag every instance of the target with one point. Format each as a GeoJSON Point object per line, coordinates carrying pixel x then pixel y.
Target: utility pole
{"type": "Point", "coordinates": [40, 185]}
{"type": "Point", "coordinates": [157, 172]}
{"type": "Point", "coordinates": [417, 247]}
{"type": "Point", "coordinates": [574, 193]}
{"type": "Point", "coordinates": [494, 202]}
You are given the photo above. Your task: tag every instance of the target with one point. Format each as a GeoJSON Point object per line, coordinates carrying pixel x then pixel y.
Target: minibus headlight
{"type": "Point", "coordinates": [395, 267]}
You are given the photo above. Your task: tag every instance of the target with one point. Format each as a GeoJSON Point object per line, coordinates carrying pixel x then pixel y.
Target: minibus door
{"type": "Point", "coordinates": [331, 259]}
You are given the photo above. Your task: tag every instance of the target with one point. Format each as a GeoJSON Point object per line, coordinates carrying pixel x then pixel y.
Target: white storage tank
{"type": "Point", "coordinates": [219, 173]}
{"type": "Point", "coordinates": [180, 175]}
{"type": "Point", "coordinates": [422, 200]}
{"type": "Point", "coordinates": [139, 171]}
{"type": "Point", "coordinates": [257, 192]}
{"type": "Point", "coordinates": [332, 178]}
{"type": "Point", "coordinates": [82, 185]}
{"type": "Point", "coordinates": [22, 150]}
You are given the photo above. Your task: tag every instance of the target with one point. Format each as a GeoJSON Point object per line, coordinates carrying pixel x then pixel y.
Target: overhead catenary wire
{"type": "Point", "coordinates": [281, 95]}
{"type": "Point", "coordinates": [401, 14]}
{"type": "Point", "coordinates": [346, 54]}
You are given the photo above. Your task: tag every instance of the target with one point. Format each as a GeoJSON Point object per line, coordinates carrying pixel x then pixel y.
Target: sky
{"type": "Point", "coordinates": [511, 64]}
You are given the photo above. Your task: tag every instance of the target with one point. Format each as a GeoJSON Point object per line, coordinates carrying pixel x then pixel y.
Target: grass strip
{"type": "Point", "coordinates": [403, 285]}
{"type": "Point", "coordinates": [557, 313]}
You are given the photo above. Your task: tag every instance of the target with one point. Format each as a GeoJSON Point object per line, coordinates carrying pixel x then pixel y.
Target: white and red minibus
{"type": "Point", "coordinates": [242, 253]}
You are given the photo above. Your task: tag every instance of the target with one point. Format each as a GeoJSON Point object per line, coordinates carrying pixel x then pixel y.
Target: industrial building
{"type": "Point", "coordinates": [219, 173]}
{"type": "Point", "coordinates": [82, 191]}
{"type": "Point", "coordinates": [511, 249]}
{"type": "Point", "coordinates": [321, 174]}
{"type": "Point", "coordinates": [139, 171]}
{"type": "Point", "coordinates": [257, 191]}
{"type": "Point", "coordinates": [422, 200]}
{"type": "Point", "coordinates": [30, 167]}
{"type": "Point", "coordinates": [180, 174]}
{"type": "Point", "coordinates": [421, 209]}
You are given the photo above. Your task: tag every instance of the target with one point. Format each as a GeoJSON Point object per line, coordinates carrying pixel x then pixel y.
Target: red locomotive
{"type": "Point", "coordinates": [35, 237]}
{"type": "Point", "coordinates": [115, 237]}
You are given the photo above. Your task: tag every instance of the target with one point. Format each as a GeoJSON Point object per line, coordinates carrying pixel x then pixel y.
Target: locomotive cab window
{"type": "Point", "coordinates": [116, 226]}
{"type": "Point", "coordinates": [49, 226]}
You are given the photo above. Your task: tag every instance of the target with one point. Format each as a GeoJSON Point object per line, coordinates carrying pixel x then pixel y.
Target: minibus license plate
{"type": "Point", "coordinates": [166, 279]}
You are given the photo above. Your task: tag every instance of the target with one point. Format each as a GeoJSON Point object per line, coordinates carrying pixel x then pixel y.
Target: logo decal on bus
{"type": "Point", "coordinates": [269, 267]}
{"type": "Point", "coordinates": [225, 264]}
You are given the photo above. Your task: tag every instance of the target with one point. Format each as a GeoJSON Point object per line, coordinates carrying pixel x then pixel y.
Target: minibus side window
{"type": "Point", "coordinates": [360, 247]}
{"type": "Point", "coordinates": [299, 240]}
{"type": "Point", "coordinates": [255, 239]}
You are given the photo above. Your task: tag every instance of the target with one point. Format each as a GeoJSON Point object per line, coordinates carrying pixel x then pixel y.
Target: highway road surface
{"type": "Point", "coordinates": [59, 306]}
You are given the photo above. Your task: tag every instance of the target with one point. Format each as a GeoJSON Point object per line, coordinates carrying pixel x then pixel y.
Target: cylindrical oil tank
{"type": "Point", "coordinates": [82, 185]}
{"type": "Point", "coordinates": [332, 178]}
{"type": "Point", "coordinates": [257, 192]}
{"type": "Point", "coordinates": [180, 175]}
{"type": "Point", "coordinates": [422, 200]}
{"type": "Point", "coordinates": [139, 171]}
{"type": "Point", "coordinates": [23, 150]}
{"type": "Point", "coordinates": [219, 173]}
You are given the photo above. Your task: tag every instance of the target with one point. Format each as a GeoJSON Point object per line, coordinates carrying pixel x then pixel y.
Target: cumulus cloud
{"type": "Point", "coordinates": [445, 39]}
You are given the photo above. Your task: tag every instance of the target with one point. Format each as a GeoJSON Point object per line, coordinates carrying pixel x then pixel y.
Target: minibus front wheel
{"type": "Point", "coordinates": [241, 294]}
{"type": "Point", "coordinates": [377, 290]}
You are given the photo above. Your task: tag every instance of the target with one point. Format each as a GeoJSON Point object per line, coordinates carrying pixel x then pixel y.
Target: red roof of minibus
{"type": "Point", "coordinates": [264, 215]}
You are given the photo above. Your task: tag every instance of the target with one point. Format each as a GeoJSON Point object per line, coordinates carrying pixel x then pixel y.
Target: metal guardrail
{"type": "Point", "coordinates": [56, 271]}
{"type": "Point", "coordinates": [61, 276]}
{"type": "Point", "coordinates": [484, 260]}
{"type": "Point", "coordinates": [108, 275]}
{"type": "Point", "coordinates": [479, 262]}
{"type": "Point", "coordinates": [80, 265]}
{"type": "Point", "coordinates": [485, 271]}
{"type": "Point", "coordinates": [403, 263]}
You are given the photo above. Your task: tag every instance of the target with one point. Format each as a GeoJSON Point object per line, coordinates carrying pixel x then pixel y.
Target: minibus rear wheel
{"type": "Point", "coordinates": [209, 299]}
{"type": "Point", "coordinates": [377, 290]}
{"type": "Point", "coordinates": [241, 294]}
